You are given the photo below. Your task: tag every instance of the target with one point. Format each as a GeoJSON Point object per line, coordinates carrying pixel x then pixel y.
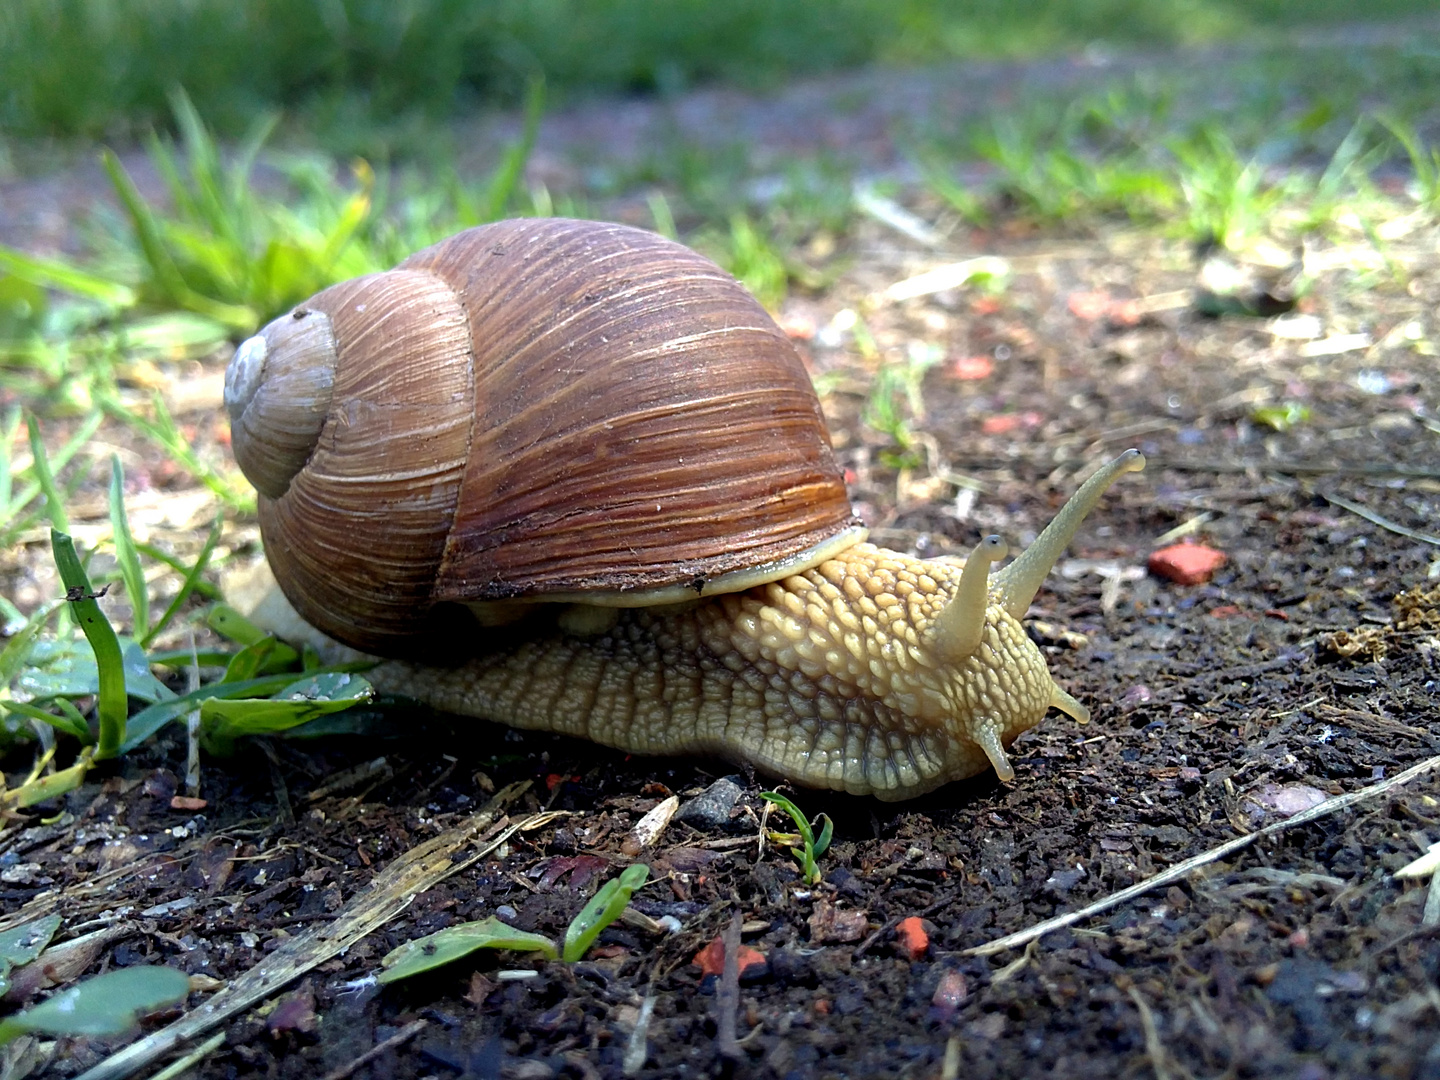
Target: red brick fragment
{"type": "Point", "coordinates": [1186, 564]}
{"type": "Point", "coordinates": [711, 959]}
{"type": "Point", "coordinates": [911, 938]}
{"type": "Point", "coordinates": [972, 367]}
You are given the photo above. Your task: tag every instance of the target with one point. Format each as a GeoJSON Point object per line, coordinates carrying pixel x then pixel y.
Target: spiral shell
{"type": "Point", "coordinates": [537, 409]}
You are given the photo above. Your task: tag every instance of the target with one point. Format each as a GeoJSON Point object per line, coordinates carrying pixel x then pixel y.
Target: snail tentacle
{"type": "Point", "coordinates": [957, 631]}
{"type": "Point", "coordinates": [986, 734]}
{"type": "Point", "coordinates": [1077, 711]}
{"type": "Point", "coordinates": [1017, 584]}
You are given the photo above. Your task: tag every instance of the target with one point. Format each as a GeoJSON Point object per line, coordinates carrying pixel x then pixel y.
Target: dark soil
{"type": "Point", "coordinates": [1218, 708]}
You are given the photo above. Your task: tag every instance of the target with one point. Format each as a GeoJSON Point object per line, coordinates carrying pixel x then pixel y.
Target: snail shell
{"type": "Point", "coordinates": [534, 409]}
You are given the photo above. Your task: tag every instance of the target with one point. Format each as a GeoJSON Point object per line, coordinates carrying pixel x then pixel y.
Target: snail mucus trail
{"type": "Point", "coordinates": [595, 440]}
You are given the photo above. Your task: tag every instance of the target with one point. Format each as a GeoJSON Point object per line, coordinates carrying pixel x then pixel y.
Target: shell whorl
{"type": "Point", "coordinates": [278, 390]}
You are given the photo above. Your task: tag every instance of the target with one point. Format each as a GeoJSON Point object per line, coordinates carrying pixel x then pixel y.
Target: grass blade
{"type": "Point", "coordinates": [64, 723]}
{"type": "Point", "coordinates": [7, 478]}
{"type": "Point", "coordinates": [204, 588]}
{"type": "Point", "coordinates": [162, 267]}
{"type": "Point", "coordinates": [188, 585]}
{"type": "Point", "coordinates": [53, 274]}
{"type": "Point", "coordinates": [111, 702]}
{"type": "Point", "coordinates": [163, 432]}
{"type": "Point", "coordinates": [126, 555]}
{"type": "Point", "coordinates": [54, 505]}
{"type": "Point", "coordinates": [512, 165]}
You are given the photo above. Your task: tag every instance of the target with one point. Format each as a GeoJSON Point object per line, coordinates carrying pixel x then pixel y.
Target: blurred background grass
{"type": "Point", "coordinates": [104, 68]}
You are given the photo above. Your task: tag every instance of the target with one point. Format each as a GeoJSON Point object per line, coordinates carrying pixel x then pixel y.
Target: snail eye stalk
{"type": "Point", "coordinates": [961, 625]}
{"type": "Point", "coordinates": [1018, 583]}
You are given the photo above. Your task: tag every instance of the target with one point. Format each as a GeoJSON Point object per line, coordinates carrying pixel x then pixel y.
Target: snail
{"type": "Point", "coordinates": [572, 477]}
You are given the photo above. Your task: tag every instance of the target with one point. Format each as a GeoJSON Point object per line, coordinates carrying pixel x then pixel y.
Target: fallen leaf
{"type": "Point", "coordinates": [294, 1012]}
{"type": "Point", "coordinates": [1284, 800]}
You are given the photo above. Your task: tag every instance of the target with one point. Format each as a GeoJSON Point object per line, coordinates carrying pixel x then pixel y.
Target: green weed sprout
{"type": "Point", "coordinates": [810, 847]}
{"type": "Point", "coordinates": [454, 942]}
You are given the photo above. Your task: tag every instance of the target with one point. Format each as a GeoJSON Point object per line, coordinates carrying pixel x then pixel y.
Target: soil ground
{"type": "Point", "coordinates": [1292, 675]}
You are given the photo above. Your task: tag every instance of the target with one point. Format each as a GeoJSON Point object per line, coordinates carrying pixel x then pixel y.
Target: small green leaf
{"type": "Point", "coordinates": [264, 657]}
{"type": "Point", "coordinates": [223, 721]}
{"type": "Point", "coordinates": [1281, 417]}
{"type": "Point", "coordinates": [150, 720]}
{"type": "Point", "coordinates": [822, 843]}
{"type": "Point", "coordinates": [811, 848]}
{"type": "Point", "coordinates": [107, 1005]}
{"type": "Point", "coordinates": [68, 669]}
{"type": "Point", "coordinates": [23, 943]}
{"type": "Point", "coordinates": [454, 942]}
{"type": "Point", "coordinates": [230, 624]}
{"type": "Point", "coordinates": [603, 909]}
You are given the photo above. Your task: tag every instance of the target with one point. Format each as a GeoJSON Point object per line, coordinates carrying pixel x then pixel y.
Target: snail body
{"type": "Point", "coordinates": [572, 477]}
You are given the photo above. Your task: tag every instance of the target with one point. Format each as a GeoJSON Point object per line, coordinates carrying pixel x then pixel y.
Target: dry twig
{"type": "Point", "coordinates": [727, 994]}
{"type": "Point", "coordinates": [1179, 870]}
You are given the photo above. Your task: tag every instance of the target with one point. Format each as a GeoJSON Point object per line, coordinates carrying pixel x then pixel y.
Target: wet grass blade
{"type": "Point", "coordinates": [111, 703]}
{"type": "Point", "coordinates": [126, 555]}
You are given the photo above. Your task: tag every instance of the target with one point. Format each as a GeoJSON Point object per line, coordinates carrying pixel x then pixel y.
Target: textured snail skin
{"type": "Point", "coordinates": [827, 678]}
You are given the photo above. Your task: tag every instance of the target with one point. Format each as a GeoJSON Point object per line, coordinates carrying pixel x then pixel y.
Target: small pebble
{"type": "Point", "coordinates": [711, 808]}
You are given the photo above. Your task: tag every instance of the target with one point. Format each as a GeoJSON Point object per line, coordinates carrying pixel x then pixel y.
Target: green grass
{"type": "Point", "coordinates": [106, 67]}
